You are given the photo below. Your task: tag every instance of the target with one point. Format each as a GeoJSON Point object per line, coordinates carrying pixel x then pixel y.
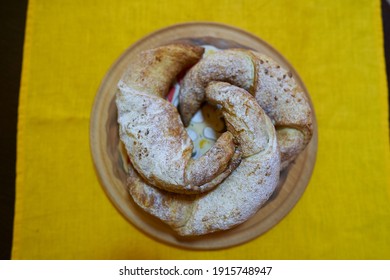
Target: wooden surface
{"type": "Point", "coordinates": [108, 154]}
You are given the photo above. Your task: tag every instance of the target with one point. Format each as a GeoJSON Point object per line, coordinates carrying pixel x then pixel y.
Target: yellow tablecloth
{"type": "Point", "coordinates": [336, 46]}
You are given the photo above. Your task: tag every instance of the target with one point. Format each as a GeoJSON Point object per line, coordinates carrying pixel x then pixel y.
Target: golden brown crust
{"type": "Point", "coordinates": [227, 66]}
{"type": "Point", "coordinates": [238, 196]}
{"type": "Point", "coordinates": [274, 88]}
{"type": "Point", "coordinates": [231, 182]}
{"type": "Point", "coordinates": [286, 104]}
{"type": "Point", "coordinates": [151, 129]}
{"type": "Point", "coordinates": [154, 70]}
{"type": "Point", "coordinates": [222, 152]}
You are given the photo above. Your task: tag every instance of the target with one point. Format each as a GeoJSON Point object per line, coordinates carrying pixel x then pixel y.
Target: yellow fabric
{"type": "Point", "coordinates": [336, 46]}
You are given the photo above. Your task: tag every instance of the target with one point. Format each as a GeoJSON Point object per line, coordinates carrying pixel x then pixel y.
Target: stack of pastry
{"type": "Point", "coordinates": [268, 124]}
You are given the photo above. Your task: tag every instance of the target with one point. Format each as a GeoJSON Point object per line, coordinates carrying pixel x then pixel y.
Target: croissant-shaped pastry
{"type": "Point", "coordinates": [243, 192]}
{"type": "Point", "coordinates": [152, 131]}
{"type": "Point", "coordinates": [273, 87]}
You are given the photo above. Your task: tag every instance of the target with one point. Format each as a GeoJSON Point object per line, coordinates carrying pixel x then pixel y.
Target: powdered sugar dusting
{"type": "Point", "coordinates": [275, 89]}
{"type": "Point", "coordinates": [220, 65]}
{"type": "Point", "coordinates": [149, 141]}
{"type": "Point", "coordinates": [254, 180]}
{"type": "Point", "coordinates": [286, 104]}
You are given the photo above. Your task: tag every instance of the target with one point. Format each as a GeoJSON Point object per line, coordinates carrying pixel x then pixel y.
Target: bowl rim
{"type": "Point", "coordinates": [97, 152]}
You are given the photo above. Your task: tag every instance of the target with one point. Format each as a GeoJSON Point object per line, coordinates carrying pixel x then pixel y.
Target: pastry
{"type": "Point", "coordinates": [151, 129]}
{"type": "Point", "coordinates": [274, 88]}
{"type": "Point", "coordinates": [241, 194]}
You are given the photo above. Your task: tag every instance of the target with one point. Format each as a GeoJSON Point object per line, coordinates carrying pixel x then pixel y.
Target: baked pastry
{"type": "Point", "coordinates": [268, 120]}
{"type": "Point", "coordinates": [151, 129]}
{"type": "Point", "coordinates": [238, 196]}
{"type": "Point", "coordinates": [274, 88]}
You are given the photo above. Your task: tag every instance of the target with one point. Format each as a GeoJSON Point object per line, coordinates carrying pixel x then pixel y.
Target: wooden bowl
{"type": "Point", "coordinates": [108, 154]}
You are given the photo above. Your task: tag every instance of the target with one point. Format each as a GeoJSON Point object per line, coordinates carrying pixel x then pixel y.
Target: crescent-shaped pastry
{"type": "Point", "coordinates": [274, 88]}
{"type": "Point", "coordinates": [242, 193]}
{"type": "Point", "coordinates": [152, 131]}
